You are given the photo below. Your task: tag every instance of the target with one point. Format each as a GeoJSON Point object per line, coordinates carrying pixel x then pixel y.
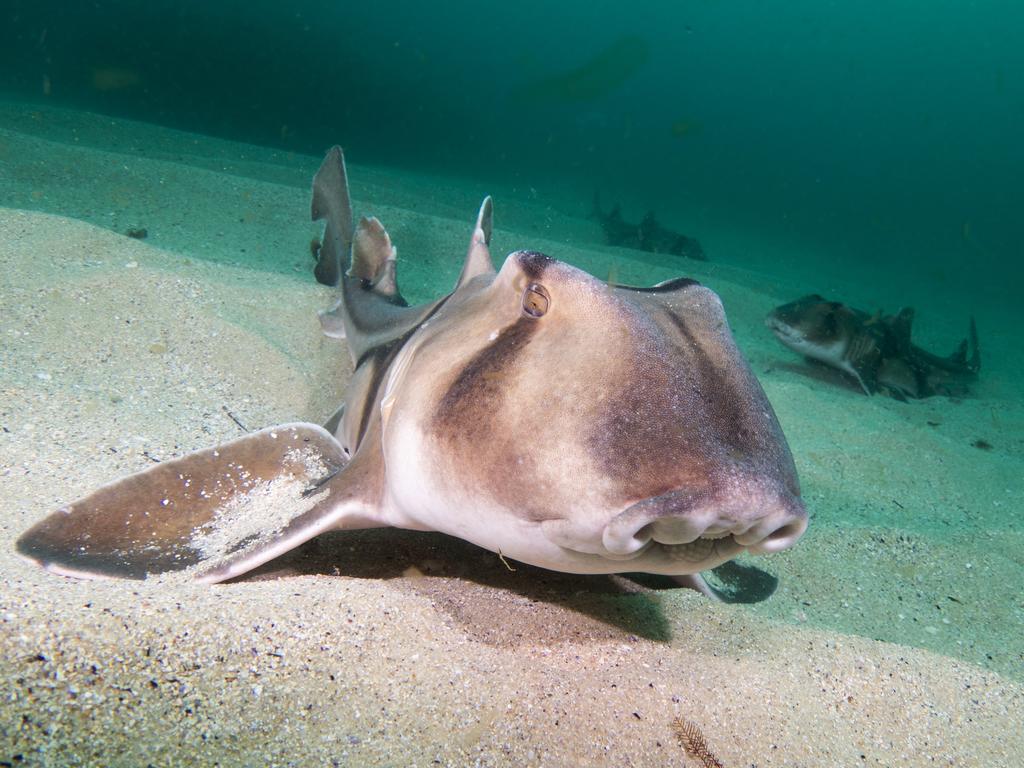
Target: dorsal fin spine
{"type": "Point", "coordinates": [478, 255]}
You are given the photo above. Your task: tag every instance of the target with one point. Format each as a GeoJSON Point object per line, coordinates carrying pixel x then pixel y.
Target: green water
{"type": "Point", "coordinates": [886, 133]}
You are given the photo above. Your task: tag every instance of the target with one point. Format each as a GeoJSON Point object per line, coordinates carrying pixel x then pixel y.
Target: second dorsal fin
{"type": "Point", "coordinates": [373, 257]}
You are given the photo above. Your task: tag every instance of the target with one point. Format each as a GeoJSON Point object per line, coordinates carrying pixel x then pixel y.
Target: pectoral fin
{"type": "Point", "coordinates": [213, 514]}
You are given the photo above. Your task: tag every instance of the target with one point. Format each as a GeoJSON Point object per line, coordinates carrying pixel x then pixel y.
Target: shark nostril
{"type": "Point", "coordinates": [678, 525]}
{"type": "Point", "coordinates": [783, 537]}
{"type": "Point", "coordinates": [625, 541]}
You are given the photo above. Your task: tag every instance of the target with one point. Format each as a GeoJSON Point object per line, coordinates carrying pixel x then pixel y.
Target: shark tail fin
{"type": "Point", "coordinates": [331, 202]}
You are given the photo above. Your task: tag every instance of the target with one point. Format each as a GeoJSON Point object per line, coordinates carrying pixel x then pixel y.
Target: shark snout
{"type": "Point", "coordinates": [758, 521]}
{"type": "Point", "coordinates": [785, 332]}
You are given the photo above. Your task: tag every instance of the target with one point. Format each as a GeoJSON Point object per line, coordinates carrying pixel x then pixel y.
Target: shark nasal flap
{"type": "Point", "coordinates": [534, 410]}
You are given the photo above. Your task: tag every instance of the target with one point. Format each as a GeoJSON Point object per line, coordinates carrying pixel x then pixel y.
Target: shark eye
{"type": "Point", "coordinates": [536, 300]}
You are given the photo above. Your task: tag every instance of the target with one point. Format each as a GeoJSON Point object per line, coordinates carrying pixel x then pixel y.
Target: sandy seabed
{"type": "Point", "coordinates": [895, 636]}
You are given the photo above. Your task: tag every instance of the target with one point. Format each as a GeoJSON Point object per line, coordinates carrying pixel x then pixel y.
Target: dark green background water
{"type": "Point", "coordinates": [879, 130]}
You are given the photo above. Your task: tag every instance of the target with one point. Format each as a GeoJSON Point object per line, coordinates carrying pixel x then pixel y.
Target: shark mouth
{"type": "Point", "coordinates": [787, 334]}
{"type": "Point", "coordinates": [700, 550]}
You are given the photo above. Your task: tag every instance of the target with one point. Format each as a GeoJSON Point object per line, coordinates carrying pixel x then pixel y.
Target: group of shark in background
{"type": "Point", "coordinates": [649, 235]}
{"type": "Point", "coordinates": [874, 349]}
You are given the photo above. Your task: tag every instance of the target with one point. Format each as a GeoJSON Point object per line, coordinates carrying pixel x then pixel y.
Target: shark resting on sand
{"type": "Point", "coordinates": [874, 349]}
{"type": "Point", "coordinates": [649, 235]}
{"type": "Point", "coordinates": [535, 411]}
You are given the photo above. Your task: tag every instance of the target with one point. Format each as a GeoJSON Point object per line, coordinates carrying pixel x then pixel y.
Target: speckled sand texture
{"type": "Point", "coordinates": [894, 638]}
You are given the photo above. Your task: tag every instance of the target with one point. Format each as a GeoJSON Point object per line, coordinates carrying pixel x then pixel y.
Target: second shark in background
{"type": "Point", "coordinates": [876, 350]}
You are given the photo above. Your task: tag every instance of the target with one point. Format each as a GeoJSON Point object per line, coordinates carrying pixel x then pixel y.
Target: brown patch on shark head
{"type": "Point", "coordinates": [533, 263]}
{"type": "Point", "coordinates": [473, 415]}
{"type": "Point", "coordinates": [481, 384]}
{"type": "Point", "coordinates": [689, 414]}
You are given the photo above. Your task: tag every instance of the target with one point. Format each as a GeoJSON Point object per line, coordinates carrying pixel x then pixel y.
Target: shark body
{"type": "Point", "coordinates": [876, 350]}
{"type": "Point", "coordinates": [649, 235]}
{"type": "Point", "coordinates": [535, 411]}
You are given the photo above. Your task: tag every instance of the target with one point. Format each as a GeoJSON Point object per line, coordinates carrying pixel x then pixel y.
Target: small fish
{"type": "Point", "coordinates": [876, 350]}
{"type": "Point", "coordinates": [535, 410]}
{"type": "Point", "coordinates": [649, 235]}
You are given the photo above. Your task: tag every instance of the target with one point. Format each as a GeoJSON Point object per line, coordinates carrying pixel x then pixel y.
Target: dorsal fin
{"type": "Point", "coordinates": [371, 249]}
{"type": "Point", "coordinates": [386, 281]}
{"type": "Point", "coordinates": [370, 313]}
{"type": "Point", "coordinates": [901, 326]}
{"type": "Point", "coordinates": [331, 202]}
{"type": "Point", "coordinates": [968, 346]}
{"type": "Point", "coordinates": [478, 257]}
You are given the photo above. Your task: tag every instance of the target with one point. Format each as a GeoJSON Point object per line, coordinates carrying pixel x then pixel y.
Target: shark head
{"type": "Point", "coordinates": [814, 327]}
{"type": "Point", "coordinates": [587, 427]}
